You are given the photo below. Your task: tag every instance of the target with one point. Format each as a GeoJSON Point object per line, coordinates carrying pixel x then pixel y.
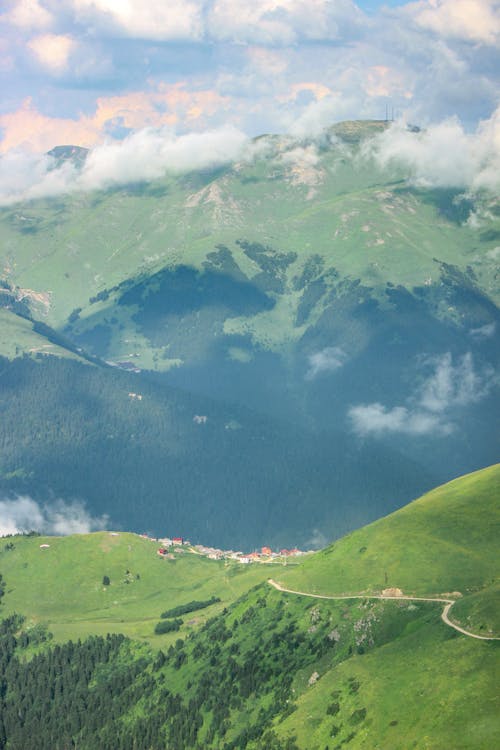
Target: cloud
{"type": "Point", "coordinates": [144, 155]}
{"type": "Point", "coordinates": [376, 419]}
{"type": "Point", "coordinates": [443, 155]}
{"type": "Point", "coordinates": [317, 115]}
{"type": "Point", "coordinates": [449, 387]}
{"type": "Point", "coordinates": [236, 21]}
{"type": "Point", "coordinates": [165, 105]}
{"type": "Point", "coordinates": [469, 20]}
{"type": "Point", "coordinates": [28, 14]}
{"type": "Point", "coordinates": [52, 50]}
{"type": "Point", "coordinates": [327, 360]}
{"type": "Point", "coordinates": [280, 21]}
{"type": "Point", "coordinates": [317, 540]}
{"type": "Point", "coordinates": [483, 332]}
{"type": "Point", "coordinates": [22, 514]}
{"type": "Point", "coordinates": [452, 385]}
{"type": "Point", "coordinates": [149, 154]}
{"type": "Point", "coordinates": [154, 19]}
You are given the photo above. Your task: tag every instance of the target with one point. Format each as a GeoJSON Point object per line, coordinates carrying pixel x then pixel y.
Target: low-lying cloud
{"type": "Point", "coordinates": [22, 514]}
{"type": "Point", "coordinates": [431, 411]}
{"type": "Point", "coordinates": [444, 154]}
{"type": "Point", "coordinates": [329, 359]}
{"type": "Point", "coordinates": [145, 155]}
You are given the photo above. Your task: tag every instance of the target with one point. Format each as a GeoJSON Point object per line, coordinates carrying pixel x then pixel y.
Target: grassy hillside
{"type": "Point", "coordinates": [62, 586]}
{"type": "Point", "coordinates": [443, 542]}
{"type": "Point", "coordinates": [425, 689]}
{"type": "Point", "coordinates": [261, 670]}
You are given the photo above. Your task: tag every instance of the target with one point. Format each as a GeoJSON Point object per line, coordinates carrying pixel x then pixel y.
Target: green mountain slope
{"type": "Point", "coordinates": [62, 586]}
{"type": "Point", "coordinates": [445, 541]}
{"type": "Point", "coordinates": [270, 670]}
{"type": "Point", "coordinates": [305, 283]}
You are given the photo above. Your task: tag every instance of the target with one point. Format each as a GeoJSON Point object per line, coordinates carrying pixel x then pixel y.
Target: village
{"type": "Point", "coordinates": [179, 544]}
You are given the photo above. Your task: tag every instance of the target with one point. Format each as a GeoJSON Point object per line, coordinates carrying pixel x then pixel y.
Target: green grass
{"type": "Point", "coordinates": [362, 221]}
{"type": "Point", "coordinates": [363, 673]}
{"type": "Point", "coordinates": [427, 689]}
{"type": "Point", "coordinates": [17, 337]}
{"type": "Point", "coordinates": [446, 541]}
{"type": "Point", "coordinates": [62, 586]}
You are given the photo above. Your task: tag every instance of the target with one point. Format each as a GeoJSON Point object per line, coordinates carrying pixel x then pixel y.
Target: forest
{"type": "Point", "coordinates": [143, 453]}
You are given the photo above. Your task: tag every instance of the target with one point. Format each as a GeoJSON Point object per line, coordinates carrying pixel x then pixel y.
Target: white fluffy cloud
{"type": "Point", "coordinates": [22, 514]}
{"type": "Point", "coordinates": [444, 155]}
{"type": "Point", "coordinates": [154, 19]}
{"type": "Point", "coordinates": [376, 419]}
{"type": "Point", "coordinates": [449, 387]}
{"type": "Point", "coordinates": [279, 21]}
{"type": "Point", "coordinates": [237, 21]}
{"type": "Point", "coordinates": [145, 155]}
{"type": "Point", "coordinates": [149, 154]}
{"type": "Point", "coordinates": [470, 20]}
{"type": "Point", "coordinates": [329, 359]}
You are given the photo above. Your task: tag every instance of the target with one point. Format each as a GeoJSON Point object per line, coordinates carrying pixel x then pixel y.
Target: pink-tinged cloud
{"type": "Point", "coordinates": [318, 90]}
{"type": "Point", "coordinates": [28, 14]}
{"type": "Point", "coordinates": [52, 51]}
{"type": "Point", "coordinates": [384, 81]}
{"type": "Point", "coordinates": [166, 106]}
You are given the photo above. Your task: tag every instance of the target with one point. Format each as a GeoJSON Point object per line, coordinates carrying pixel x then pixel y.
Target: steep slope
{"type": "Point", "coordinates": [443, 542]}
{"type": "Point", "coordinates": [270, 671]}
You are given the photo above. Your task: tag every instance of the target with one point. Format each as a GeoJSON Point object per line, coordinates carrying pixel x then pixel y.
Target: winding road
{"type": "Point", "coordinates": [444, 614]}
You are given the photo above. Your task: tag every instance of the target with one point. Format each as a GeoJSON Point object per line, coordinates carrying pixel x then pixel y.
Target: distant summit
{"type": "Point", "coordinates": [76, 154]}
{"type": "Point", "coordinates": [354, 131]}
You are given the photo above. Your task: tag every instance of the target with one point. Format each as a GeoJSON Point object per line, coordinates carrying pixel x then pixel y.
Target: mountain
{"type": "Point", "coordinates": [260, 668]}
{"type": "Point", "coordinates": [308, 284]}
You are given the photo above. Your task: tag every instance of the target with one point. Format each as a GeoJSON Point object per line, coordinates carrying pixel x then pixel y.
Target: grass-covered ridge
{"type": "Point", "coordinates": [444, 542]}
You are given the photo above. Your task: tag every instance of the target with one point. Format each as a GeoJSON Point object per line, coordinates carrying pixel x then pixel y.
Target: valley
{"type": "Point", "coordinates": [335, 323]}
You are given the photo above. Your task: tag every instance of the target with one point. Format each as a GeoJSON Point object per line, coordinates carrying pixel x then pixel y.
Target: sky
{"type": "Point", "coordinates": [89, 72]}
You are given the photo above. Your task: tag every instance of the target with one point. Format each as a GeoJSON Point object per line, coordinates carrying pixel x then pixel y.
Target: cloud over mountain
{"type": "Point", "coordinates": [22, 514]}
{"type": "Point", "coordinates": [444, 154]}
{"type": "Point", "coordinates": [145, 155]}
{"type": "Point", "coordinates": [449, 387]}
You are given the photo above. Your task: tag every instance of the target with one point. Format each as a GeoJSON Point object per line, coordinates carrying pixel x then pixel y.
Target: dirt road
{"type": "Point", "coordinates": [444, 615]}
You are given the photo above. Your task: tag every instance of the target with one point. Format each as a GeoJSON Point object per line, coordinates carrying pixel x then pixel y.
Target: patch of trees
{"type": "Point", "coordinates": [193, 606]}
{"type": "Point", "coordinates": [168, 626]}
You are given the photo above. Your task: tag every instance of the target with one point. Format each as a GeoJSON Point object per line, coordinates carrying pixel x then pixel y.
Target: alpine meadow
{"type": "Point", "coordinates": [249, 391]}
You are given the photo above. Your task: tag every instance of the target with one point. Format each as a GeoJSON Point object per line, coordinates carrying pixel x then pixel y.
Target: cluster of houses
{"type": "Point", "coordinates": [179, 544]}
